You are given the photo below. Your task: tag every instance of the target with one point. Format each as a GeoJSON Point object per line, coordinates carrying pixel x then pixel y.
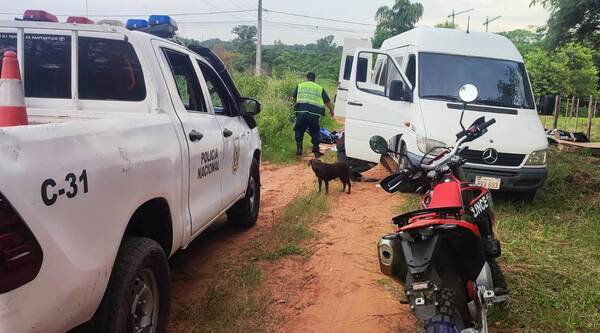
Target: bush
{"type": "Point", "coordinates": [276, 121]}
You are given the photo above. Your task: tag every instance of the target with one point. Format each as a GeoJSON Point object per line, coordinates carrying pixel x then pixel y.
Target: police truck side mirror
{"type": "Point", "coordinates": [250, 106]}
{"type": "Point", "coordinates": [399, 92]}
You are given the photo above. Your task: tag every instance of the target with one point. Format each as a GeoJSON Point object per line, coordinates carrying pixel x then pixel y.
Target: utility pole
{"type": "Point", "coordinates": [453, 15]}
{"type": "Point", "coordinates": [488, 21]}
{"type": "Point", "coordinates": [259, 39]}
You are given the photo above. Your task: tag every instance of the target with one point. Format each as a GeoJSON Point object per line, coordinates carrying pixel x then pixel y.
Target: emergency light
{"type": "Point", "coordinates": [161, 25]}
{"type": "Point", "coordinates": [79, 20]}
{"type": "Point", "coordinates": [39, 15]}
{"type": "Point", "coordinates": [135, 24]}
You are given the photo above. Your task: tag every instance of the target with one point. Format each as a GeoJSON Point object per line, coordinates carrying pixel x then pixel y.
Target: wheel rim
{"type": "Point", "coordinates": [145, 303]}
{"type": "Point", "coordinates": [252, 194]}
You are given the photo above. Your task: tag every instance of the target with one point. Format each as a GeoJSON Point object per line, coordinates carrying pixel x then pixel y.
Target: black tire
{"type": "Point", "coordinates": [141, 266]}
{"type": "Point", "coordinates": [448, 318]}
{"type": "Point", "coordinates": [403, 161]}
{"type": "Point", "coordinates": [244, 213]}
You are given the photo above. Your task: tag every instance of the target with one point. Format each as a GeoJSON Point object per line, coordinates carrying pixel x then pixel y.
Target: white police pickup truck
{"type": "Point", "coordinates": [136, 145]}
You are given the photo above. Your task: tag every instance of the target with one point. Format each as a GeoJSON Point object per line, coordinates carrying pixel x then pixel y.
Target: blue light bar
{"type": "Point", "coordinates": [155, 20]}
{"type": "Point", "coordinates": [134, 24]}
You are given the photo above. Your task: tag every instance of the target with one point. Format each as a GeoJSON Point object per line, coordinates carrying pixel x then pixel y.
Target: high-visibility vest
{"type": "Point", "coordinates": [310, 98]}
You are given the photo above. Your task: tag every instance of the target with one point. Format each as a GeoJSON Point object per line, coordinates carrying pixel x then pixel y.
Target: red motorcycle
{"type": "Point", "coordinates": [444, 254]}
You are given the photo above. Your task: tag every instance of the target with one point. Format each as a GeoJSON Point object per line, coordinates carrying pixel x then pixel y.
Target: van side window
{"type": "Point", "coordinates": [219, 95]}
{"type": "Point", "coordinates": [382, 76]}
{"type": "Point", "coordinates": [411, 70]}
{"type": "Point", "coordinates": [348, 67]}
{"type": "Point", "coordinates": [186, 80]}
{"type": "Point", "coordinates": [109, 70]}
{"type": "Point", "coordinates": [47, 66]}
{"type": "Point", "coordinates": [8, 42]}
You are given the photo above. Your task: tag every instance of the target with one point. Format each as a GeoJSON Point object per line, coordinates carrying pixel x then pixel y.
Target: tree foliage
{"type": "Point", "coordinates": [401, 17]}
{"type": "Point", "coordinates": [447, 25]}
{"type": "Point", "coordinates": [569, 70]}
{"type": "Point", "coordinates": [572, 20]}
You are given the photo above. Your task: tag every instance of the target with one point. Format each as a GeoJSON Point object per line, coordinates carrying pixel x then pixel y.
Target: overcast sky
{"type": "Point", "coordinates": [291, 30]}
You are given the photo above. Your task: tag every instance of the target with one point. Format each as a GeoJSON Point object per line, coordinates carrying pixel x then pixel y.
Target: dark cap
{"type": "Point", "coordinates": [311, 76]}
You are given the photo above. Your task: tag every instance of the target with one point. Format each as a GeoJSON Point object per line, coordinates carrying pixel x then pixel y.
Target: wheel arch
{"type": "Point", "coordinates": [152, 220]}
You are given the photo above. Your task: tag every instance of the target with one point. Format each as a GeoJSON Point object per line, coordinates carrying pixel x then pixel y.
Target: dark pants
{"type": "Point", "coordinates": [305, 121]}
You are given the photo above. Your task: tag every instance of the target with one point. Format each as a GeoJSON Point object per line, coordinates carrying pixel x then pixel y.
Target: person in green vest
{"type": "Point", "coordinates": [311, 100]}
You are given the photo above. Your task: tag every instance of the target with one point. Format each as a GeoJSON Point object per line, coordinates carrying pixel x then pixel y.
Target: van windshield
{"type": "Point", "coordinates": [500, 82]}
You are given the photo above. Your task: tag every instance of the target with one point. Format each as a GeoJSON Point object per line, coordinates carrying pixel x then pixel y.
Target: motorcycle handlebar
{"type": "Point", "coordinates": [461, 138]}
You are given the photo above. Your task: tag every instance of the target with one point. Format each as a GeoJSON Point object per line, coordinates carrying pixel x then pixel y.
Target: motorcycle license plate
{"type": "Point", "coordinates": [491, 183]}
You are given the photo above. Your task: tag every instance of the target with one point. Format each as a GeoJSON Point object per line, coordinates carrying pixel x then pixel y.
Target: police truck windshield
{"type": "Point", "coordinates": [500, 83]}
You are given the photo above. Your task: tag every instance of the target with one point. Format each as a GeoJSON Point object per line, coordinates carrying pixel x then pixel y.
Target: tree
{"type": "Point", "coordinates": [583, 74]}
{"type": "Point", "coordinates": [525, 40]}
{"type": "Point", "coordinates": [572, 20]}
{"type": "Point", "coordinates": [246, 35]}
{"type": "Point", "coordinates": [401, 17]}
{"type": "Point", "coordinates": [447, 25]}
{"type": "Point", "coordinates": [326, 43]}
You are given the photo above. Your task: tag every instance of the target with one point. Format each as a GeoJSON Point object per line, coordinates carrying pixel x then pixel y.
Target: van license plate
{"type": "Point", "coordinates": [491, 183]}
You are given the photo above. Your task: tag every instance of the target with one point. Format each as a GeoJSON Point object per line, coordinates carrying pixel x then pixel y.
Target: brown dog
{"type": "Point", "coordinates": [326, 172]}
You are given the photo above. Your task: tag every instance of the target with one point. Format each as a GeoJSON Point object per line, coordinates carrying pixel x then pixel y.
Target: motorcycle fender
{"type": "Point", "coordinates": [420, 254]}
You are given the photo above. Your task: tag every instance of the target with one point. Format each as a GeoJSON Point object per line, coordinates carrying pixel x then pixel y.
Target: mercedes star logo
{"type": "Point", "coordinates": [490, 156]}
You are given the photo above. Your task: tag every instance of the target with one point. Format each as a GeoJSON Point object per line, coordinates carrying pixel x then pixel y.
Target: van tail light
{"type": "Point", "coordinates": [20, 253]}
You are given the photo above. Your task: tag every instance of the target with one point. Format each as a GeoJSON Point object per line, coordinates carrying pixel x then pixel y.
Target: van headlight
{"type": "Point", "coordinates": [429, 146]}
{"type": "Point", "coordinates": [537, 158]}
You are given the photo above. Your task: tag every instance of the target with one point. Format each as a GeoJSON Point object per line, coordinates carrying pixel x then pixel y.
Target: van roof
{"type": "Point", "coordinates": [453, 41]}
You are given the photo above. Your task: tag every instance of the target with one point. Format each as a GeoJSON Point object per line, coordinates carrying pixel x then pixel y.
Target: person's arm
{"type": "Point", "coordinates": [328, 103]}
{"type": "Point", "coordinates": [295, 95]}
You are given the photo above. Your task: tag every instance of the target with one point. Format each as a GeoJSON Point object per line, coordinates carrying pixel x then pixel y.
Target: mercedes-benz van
{"type": "Point", "coordinates": [407, 91]}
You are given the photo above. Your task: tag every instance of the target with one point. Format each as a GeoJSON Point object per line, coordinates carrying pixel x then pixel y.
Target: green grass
{"type": "Point", "coordinates": [292, 229]}
{"type": "Point", "coordinates": [235, 303]}
{"type": "Point", "coordinates": [551, 250]}
{"type": "Point", "coordinates": [568, 124]}
{"type": "Point", "coordinates": [276, 121]}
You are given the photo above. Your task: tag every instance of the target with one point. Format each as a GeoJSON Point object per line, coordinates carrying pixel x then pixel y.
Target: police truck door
{"type": "Point", "coordinates": [350, 46]}
{"type": "Point", "coordinates": [202, 133]}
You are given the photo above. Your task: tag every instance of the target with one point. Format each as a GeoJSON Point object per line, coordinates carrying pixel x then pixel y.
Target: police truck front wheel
{"type": "Point", "coordinates": [245, 213]}
{"type": "Point", "coordinates": [138, 295]}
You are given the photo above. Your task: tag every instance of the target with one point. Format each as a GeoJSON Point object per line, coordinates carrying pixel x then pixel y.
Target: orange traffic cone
{"type": "Point", "coordinates": [12, 98]}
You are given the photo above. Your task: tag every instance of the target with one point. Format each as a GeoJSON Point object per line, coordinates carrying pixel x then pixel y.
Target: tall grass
{"type": "Point", "coordinates": [276, 121]}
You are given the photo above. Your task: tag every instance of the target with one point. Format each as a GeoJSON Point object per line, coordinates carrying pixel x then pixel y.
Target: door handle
{"type": "Point", "coordinates": [195, 136]}
{"type": "Point", "coordinates": [355, 103]}
{"type": "Point", "coordinates": [227, 133]}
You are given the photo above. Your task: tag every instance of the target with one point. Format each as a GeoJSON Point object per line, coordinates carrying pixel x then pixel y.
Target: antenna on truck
{"type": "Point", "coordinates": [468, 23]}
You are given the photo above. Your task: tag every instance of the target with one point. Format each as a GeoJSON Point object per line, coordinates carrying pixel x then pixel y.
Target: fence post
{"type": "Point", "coordinates": [556, 112]}
{"type": "Point", "coordinates": [590, 115]}
{"type": "Point", "coordinates": [577, 115]}
{"type": "Point", "coordinates": [567, 116]}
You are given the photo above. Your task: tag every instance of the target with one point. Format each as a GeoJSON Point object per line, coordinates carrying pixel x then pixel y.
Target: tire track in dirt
{"type": "Point", "coordinates": [336, 289]}
{"type": "Point", "coordinates": [194, 270]}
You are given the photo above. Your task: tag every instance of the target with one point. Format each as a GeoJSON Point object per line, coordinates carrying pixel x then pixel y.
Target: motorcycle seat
{"type": "Point", "coordinates": [402, 220]}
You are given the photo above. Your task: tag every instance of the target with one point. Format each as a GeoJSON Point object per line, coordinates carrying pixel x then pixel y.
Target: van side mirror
{"type": "Point", "coordinates": [547, 106]}
{"type": "Point", "coordinates": [399, 92]}
{"type": "Point", "coordinates": [250, 106]}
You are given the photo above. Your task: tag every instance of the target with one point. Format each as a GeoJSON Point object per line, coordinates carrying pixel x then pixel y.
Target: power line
{"type": "Point", "coordinates": [319, 18]}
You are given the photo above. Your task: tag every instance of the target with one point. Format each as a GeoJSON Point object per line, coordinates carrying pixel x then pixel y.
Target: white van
{"type": "Point", "coordinates": [408, 92]}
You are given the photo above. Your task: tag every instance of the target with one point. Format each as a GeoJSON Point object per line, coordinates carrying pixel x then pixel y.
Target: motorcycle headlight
{"type": "Point", "coordinates": [429, 146]}
{"type": "Point", "coordinates": [537, 158]}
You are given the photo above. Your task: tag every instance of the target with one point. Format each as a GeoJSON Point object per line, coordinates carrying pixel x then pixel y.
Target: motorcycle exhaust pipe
{"type": "Point", "coordinates": [391, 257]}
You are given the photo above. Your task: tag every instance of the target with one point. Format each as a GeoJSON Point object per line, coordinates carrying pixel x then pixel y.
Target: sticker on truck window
{"type": "Point", "coordinates": [73, 185]}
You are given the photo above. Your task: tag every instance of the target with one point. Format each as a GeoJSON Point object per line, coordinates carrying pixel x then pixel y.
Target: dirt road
{"type": "Point", "coordinates": [340, 287]}
{"type": "Point", "coordinates": [337, 289]}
